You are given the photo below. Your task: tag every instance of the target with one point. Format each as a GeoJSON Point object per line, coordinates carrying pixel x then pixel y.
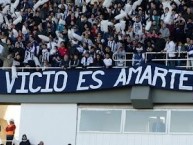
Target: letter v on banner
{"type": "Point", "coordinates": [9, 82]}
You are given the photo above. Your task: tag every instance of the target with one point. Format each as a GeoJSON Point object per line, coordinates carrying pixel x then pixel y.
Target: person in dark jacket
{"type": "Point", "coordinates": [160, 45]}
{"type": "Point", "coordinates": [75, 62]}
{"type": "Point", "coordinates": [98, 61]}
{"type": "Point", "coordinates": [24, 141]}
{"type": "Point", "coordinates": [65, 64]}
{"type": "Point", "coordinates": [17, 50]}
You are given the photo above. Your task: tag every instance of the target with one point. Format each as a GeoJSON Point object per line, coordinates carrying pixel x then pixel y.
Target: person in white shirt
{"type": "Point", "coordinates": [120, 55]}
{"type": "Point", "coordinates": [112, 44]}
{"type": "Point", "coordinates": [167, 16]}
{"type": "Point", "coordinates": [51, 44]}
{"type": "Point", "coordinates": [171, 51]}
{"type": "Point", "coordinates": [87, 40]}
{"type": "Point", "coordinates": [87, 60]}
{"type": "Point", "coordinates": [108, 62]}
{"type": "Point", "coordinates": [45, 54]}
{"type": "Point", "coordinates": [137, 26]}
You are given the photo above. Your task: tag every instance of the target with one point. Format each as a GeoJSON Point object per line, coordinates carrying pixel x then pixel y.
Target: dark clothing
{"type": "Point", "coordinates": [37, 20]}
{"type": "Point", "coordinates": [189, 30]}
{"type": "Point", "coordinates": [27, 142]}
{"type": "Point", "coordinates": [1, 63]}
{"type": "Point", "coordinates": [160, 44]}
{"type": "Point", "coordinates": [9, 139]}
{"type": "Point", "coordinates": [24, 5]}
{"type": "Point", "coordinates": [44, 13]}
{"type": "Point", "coordinates": [65, 64]}
{"type": "Point", "coordinates": [98, 62]}
{"type": "Point", "coordinates": [150, 57]}
{"type": "Point", "coordinates": [19, 51]}
{"type": "Point", "coordinates": [75, 63]}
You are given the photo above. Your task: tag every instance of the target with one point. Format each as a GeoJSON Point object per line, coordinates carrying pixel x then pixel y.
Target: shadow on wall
{"type": "Point", "coordinates": [3, 122]}
{"type": "Point", "coordinates": [8, 112]}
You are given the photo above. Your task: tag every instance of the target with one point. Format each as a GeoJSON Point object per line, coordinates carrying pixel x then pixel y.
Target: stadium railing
{"type": "Point", "coordinates": [181, 59]}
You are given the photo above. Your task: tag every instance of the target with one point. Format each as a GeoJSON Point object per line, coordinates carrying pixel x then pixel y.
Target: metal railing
{"type": "Point", "coordinates": [128, 57]}
{"type": "Point", "coordinates": [181, 59]}
{"type": "Point", "coordinates": [55, 68]}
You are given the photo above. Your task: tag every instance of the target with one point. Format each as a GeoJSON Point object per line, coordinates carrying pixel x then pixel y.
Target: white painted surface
{"type": "Point", "coordinates": [136, 138]}
{"type": "Point", "coordinates": [55, 124]}
{"type": "Point", "coordinates": [133, 139]}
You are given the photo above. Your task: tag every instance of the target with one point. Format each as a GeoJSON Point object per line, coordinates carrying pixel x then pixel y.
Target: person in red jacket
{"type": "Point", "coordinates": [62, 50]}
{"type": "Point", "coordinates": [10, 131]}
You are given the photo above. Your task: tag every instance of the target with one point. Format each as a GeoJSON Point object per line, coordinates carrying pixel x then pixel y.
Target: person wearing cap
{"type": "Point", "coordinates": [10, 131]}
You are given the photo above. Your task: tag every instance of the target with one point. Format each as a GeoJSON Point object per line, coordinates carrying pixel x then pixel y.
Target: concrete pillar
{"type": "Point", "coordinates": [141, 97]}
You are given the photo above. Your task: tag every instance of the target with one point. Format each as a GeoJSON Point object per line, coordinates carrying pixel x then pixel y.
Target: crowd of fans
{"type": "Point", "coordinates": [70, 34]}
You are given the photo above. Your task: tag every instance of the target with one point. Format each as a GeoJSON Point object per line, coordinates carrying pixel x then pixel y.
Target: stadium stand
{"type": "Point", "coordinates": [70, 34]}
{"type": "Point", "coordinates": [39, 34]}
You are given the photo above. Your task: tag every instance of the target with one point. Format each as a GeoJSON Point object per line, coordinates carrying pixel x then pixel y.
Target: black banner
{"type": "Point", "coordinates": [60, 81]}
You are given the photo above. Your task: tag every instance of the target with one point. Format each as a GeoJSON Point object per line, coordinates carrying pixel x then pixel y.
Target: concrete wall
{"type": "Point", "coordinates": [104, 96]}
{"type": "Point", "coordinates": [53, 123]}
{"type": "Point", "coordinates": [3, 109]}
{"type": "Point", "coordinates": [133, 139]}
{"type": "Point", "coordinates": [138, 96]}
{"type": "Point", "coordinates": [8, 112]}
{"type": "Point", "coordinates": [136, 138]}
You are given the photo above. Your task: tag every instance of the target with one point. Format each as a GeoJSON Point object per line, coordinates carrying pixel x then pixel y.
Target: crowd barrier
{"type": "Point", "coordinates": [181, 59]}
